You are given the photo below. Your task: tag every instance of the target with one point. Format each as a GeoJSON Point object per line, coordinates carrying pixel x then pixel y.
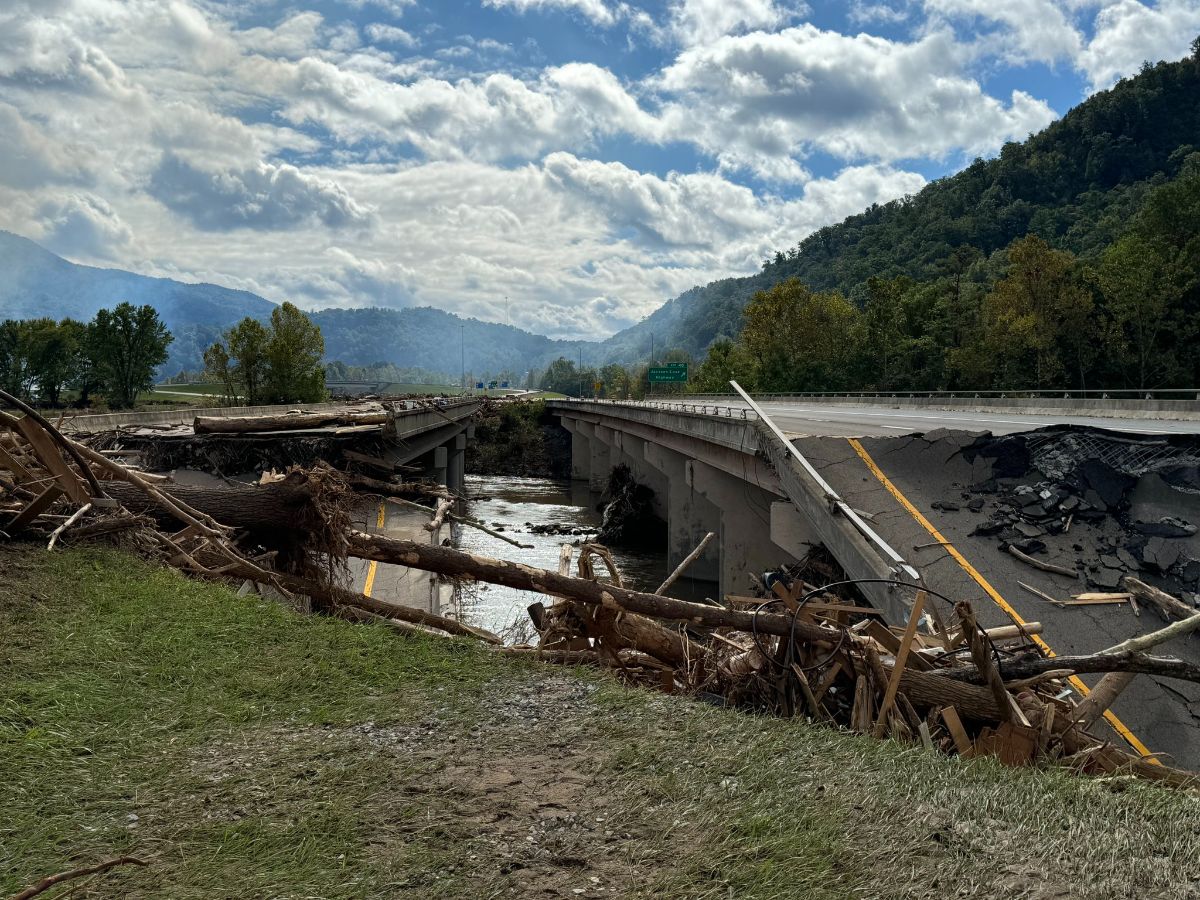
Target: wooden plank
{"type": "Point", "coordinates": [889, 697]}
{"type": "Point", "coordinates": [36, 507]}
{"type": "Point", "coordinates": [9, 462]}
{"type": "Point", "coordinates": [876, 630]}
{"type": "Point", "coordinates": [955, 726]}
{"type": "Point", "coordinates": [1102, 596]}
{"type": "Point", "coordinates": [50, 457]}
{"type": "Point", "coordinates": [1012, 744]}
{"type": "Point", "coordinates": [827, 680]}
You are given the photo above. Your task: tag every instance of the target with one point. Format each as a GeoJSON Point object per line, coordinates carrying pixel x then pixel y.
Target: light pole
{"type": "Point", "coordinates": [462, 355]}
{"type": "Point", "coordinates": [581, 371]}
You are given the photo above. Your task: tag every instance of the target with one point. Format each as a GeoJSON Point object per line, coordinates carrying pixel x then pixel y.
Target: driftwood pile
{"type": "Point", "coordinates": [816, 652]}
{"type": "Point", "coordinates": [807, 650]}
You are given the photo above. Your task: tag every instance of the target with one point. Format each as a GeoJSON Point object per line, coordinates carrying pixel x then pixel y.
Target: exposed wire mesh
{"type": "Point", "coordinates": [1058, 454]}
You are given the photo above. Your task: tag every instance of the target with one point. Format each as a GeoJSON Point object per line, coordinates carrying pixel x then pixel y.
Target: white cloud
{"type": "Point", "coordinates": [265, 196]}
{"type": "Point", "coordinates": [1033, 30]}
{"type": "Point", "coordinates": [389, 34]}
{"type": "Point", "coordinates": [30, 158]}
{"type": "Point", "coordinates": [1129, 33]}
{"type": "Point", "coordinates": [83, 225]}
{"type": "Point", "coordinates": [863, 12]}
{"type": "Point", "coordinates": [594, 10]}
{"type": "Point", "coordinates": [703, 21]}
{"type": "Point", "coordinates": [767, 97]}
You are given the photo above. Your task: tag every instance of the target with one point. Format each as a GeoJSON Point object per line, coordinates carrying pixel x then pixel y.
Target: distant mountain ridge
{"type": "Point", "coordinates": [36, 283]}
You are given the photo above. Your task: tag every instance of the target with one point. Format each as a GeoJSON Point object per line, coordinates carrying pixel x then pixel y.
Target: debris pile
{"type": "Point", "coordinates": [627, 510]}
{"type": "Point", "coordinates": [822, 653]}
{"type": "Point", "coordinates": [809, 646]}
{"type": "Point", "coordinates": [1101, 505]}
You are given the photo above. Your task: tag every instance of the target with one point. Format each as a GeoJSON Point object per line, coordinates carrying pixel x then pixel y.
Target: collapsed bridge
{"type": "Point", "coordinates": [1085, 508]}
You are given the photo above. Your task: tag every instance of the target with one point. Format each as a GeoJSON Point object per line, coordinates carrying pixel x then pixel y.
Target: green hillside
{"type": "Point", "coordinates": [1077, 184]}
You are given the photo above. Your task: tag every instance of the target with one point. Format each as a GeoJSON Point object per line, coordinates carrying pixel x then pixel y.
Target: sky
{"type": "Point", "coordinates": [563, 165]}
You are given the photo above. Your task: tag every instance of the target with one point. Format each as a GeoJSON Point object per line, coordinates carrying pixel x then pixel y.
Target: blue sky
{"type": "Point", "coordinates": [586, 159]}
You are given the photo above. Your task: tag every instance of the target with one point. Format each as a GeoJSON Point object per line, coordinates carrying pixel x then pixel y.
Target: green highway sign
{"type": "Point", "coordinates": [671, 373]}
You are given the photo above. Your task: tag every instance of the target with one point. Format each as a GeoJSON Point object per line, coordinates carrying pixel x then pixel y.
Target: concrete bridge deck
{"type": "Point", "coordinates": [716, 468]}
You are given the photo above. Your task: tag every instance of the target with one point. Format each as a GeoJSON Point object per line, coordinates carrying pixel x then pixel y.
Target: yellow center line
{"type": "Point", "coordinates": [369, 584]}
{"type": "Point", "coordinates": [1076, 682]}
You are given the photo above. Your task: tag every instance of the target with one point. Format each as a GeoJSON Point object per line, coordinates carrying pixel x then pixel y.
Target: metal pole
{"type": "Point", "coordinates": [462, 356]}
{"type": "Point", "coordinates": [830, 494]}
{"type": "Point", "coordinates": [581, 371]}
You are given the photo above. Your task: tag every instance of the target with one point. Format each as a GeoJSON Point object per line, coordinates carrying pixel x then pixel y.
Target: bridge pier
{"type": "Point", "coordinates": [747, 538]}
{"type": "Point", "coordinates": [689, 516]}
{"type": "Point", "coordinates": [456, 468]}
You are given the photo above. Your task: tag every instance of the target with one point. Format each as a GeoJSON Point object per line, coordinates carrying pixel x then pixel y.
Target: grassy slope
{"type": "Point", "coordinates": [248, 751]}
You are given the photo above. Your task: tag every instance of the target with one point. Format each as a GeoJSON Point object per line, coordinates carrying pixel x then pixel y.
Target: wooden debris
{"type": "Point", "coordinates": [798, 649]}
{"type": "Point", "coordinates": [687, 561]}
{"type": "Point", "coordinates": [1043, 566]}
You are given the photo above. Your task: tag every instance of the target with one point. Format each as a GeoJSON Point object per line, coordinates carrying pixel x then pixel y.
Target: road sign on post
{"type": "Point", "coordinates": [671, 373]}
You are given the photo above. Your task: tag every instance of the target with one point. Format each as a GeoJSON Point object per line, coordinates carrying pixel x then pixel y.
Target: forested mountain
{"type": "Point", "coordinates": [1077, 184]}
{"type": "Point", "coordinates": [36, 283]}
{"type": "Point", "coordinates": [439, 341]}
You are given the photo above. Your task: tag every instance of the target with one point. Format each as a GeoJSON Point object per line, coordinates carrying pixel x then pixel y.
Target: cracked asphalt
{"type": "Point", "coordinates": [930, 468]}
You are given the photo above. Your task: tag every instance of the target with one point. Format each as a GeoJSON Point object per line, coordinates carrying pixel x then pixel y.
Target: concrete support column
{"type": "Point", "coordinates": [746, 544]}
{"type": "Point", "coordinates": [689, 515]}
{"type": "Point", "coordinates": [440, 465]}
{"type": "Point", "coordinates": [631, 451]}
{"type": "Point", "coordinates": [456, 469]}
{"type": "Point", "coordinates": [581, 452]}
{"type": "Point", "coordinates": [600, 464]}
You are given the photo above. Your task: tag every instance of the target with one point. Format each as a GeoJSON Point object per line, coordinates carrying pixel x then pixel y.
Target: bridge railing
{"type": "Point", "coordinates": [721, 410]}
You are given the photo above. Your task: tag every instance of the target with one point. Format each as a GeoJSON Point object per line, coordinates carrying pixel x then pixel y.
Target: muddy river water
{"type": "Point", "coordinates": [516, 504]}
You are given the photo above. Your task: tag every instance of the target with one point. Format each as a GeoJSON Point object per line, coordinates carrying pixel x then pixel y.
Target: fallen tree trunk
{"type": "Point", "coordinates": [279, 505]}
{"type": "Point", "coordinates": [1122, 661]}
{"type": "Point", "coordinates": [339, 596]}
{"type": "Point", "coordinates": [454, 563]}
{"type": "Point", "coordinates": [285, 422]}
{"type": "Point", "coordinates": [1166, 605]}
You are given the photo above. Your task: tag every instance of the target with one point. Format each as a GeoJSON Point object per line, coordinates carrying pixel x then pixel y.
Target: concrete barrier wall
{"type": "Point", "coordinates": [1045, 406]}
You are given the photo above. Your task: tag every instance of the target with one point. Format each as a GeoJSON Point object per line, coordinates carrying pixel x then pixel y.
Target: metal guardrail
{"type": "Point", "coordinates": [1188, 394]}
{"type": "Point", "coordinates": [705, 409]}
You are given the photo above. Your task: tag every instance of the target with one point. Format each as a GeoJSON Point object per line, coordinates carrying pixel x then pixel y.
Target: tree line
{"type": "Point", "coordinates": [114, 355]}
{"type": "Point", "coordinates": [276, 362]}
{"type": "Point", "coordinates": [1028, 316]}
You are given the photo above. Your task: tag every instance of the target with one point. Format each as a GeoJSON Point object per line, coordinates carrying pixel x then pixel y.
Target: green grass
{"type": "Point", "coordinates": [248, 751]}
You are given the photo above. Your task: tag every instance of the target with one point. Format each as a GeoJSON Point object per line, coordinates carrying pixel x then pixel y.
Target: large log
{"type": "Point", "coordinates": [1121, 661]}
{"type": "Point", "coordinates": [278, 506]}
{"type": "Point", "coordinates": [339, 596]}
{"type": "Point", "coordinates": [1162, 601]}
{"type": "Point", "coordinates": [286, 421]}
{"type": "Point", "coordinates": [454, 563]}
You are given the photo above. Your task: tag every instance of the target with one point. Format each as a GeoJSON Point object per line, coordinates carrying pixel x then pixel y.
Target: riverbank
{"type": "Point", "coordinates": [244, 750]}
{"type": "Point", "coordinates": [519, 439]}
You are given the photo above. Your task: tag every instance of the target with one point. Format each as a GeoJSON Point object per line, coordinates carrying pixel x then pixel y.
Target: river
{"type": "Point", "coordinates": [514, 504]}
